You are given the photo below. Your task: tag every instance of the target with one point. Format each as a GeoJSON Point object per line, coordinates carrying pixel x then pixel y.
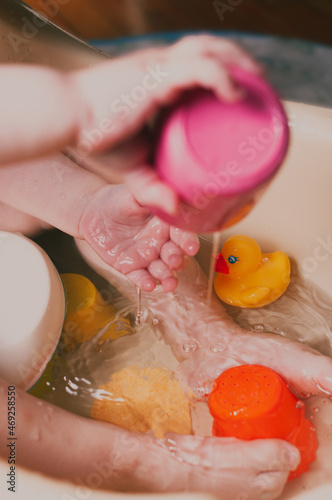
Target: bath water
{"type": "Point", "coordinates": [139, 306]}
{"type": "Point", "coordinates": [302, 314]}
{"type": "Point", "coordinates": [214, 253]}
{"type": "Point", "coordinates": [78, 374]}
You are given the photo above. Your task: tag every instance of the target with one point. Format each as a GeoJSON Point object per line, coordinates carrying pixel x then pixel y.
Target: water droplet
{"type": "Point", "coordinates": [47, 417]}
{"type": "Point", "coordinates": [305, 394]}
{"type": "Point", "coordinates": [139, 307]}
{"type": "Point", "coordinates": [200, 391]}
{"type": "Point", "coordinates": [299, 405]}
{"type": "Point", "coordinates": [142, 317]}
{"type": "Point", "coordinates": [217, 347]}
{"type": "Point", "coordinates": [189, 346]}
{"type": "Point", "coordinates": [258, 327]}
{"type": "Point", "coordinates": [86, 381]}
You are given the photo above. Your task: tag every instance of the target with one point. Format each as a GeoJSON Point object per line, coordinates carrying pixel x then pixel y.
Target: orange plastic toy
{"type": "Point", "coordinates": [248, 278]}
{"type": "Point", "coordinates": [253, 402]}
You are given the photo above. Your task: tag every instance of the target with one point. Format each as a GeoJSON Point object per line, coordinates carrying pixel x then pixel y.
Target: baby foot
{"type": "Point", "coordinates": [127, 237]}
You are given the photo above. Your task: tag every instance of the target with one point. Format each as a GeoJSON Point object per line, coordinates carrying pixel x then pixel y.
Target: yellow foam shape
{"type": "Point", "coordinates": [140, 399]}
{"type": "Point", "coordinates": [87, 312]}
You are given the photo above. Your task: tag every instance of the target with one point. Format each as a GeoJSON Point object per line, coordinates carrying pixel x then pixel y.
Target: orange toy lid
{"type": "Point", "coordinates": [246, 392]}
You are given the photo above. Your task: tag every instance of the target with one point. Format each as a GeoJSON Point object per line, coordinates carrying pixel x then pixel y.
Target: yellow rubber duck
{"type": "Point", "coordinates": [246, 277]}
{"type": "Point", "coordinates": [87, 312]}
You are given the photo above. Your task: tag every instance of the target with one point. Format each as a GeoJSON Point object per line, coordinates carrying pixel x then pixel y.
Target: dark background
{"type": "Point", "coordinates": [88, 19]}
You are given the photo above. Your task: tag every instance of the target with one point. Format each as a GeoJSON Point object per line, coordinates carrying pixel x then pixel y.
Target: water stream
{"type": "Point", "coordinates": [302, 314]}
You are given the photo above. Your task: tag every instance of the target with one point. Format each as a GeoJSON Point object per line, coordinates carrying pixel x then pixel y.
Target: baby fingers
{"type": "Point", "coordinates": [173, 256]}
{"type": "Point", "coordinates": [273, 460]}
{"type": "Point", "coordinates": [204, 60]}
{"type": "Point", "coordinates": [142, 279]}
{"type": "Point", "coordinates": [150, 191]}
{"type": "Point", "coordinates": [157, 272]}
{"type": "Point", "coordinates": [245, 470]}
{"type": "Point", "coordinates": [206, 72]}
{"type": "Point", "coordinates": [222, 49]}
{"type": "Point", "coordinates": [188, 242]}
{"type": "Point", "coordinates": [161, 272]}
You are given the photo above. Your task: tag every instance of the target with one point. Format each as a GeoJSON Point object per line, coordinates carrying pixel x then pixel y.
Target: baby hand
{"type": "Point", "coordinates": [80, 203]}
{"type": "Point", "coordinates": [128, 238]}
{"type": "Point", "coordinates": [120, 96]}
{"type": "Point", "coordinates": [226, 467]}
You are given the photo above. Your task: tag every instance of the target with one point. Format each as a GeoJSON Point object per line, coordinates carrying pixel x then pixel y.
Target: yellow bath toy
{"type": "Point", "coordinates": [87, 312]}
{"type": "Point", "coordinates": [246, 277]}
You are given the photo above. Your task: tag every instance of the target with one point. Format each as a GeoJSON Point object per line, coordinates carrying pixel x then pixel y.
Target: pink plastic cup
{"type": "Point", "coordinates": [220, 156]}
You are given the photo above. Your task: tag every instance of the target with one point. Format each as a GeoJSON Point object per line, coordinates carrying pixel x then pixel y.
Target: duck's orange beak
{"type": "Point", "coordinates": [221, 266]}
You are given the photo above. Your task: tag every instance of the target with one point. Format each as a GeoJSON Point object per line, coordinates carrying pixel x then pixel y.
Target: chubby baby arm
{"type": "Point", "coordinates": [82, 204]}
{"type": "Point", "coordinates": [58, 443]}
{"type": "Point", "coordinates": [50, 109]}
{"type": "Point", "coordinates": [40, 112]}
{"type": "Point", "coordinates": [91, 110]}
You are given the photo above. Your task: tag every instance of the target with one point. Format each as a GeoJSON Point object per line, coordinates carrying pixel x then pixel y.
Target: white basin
{"type": "Point", "coordinates": [294, 215]}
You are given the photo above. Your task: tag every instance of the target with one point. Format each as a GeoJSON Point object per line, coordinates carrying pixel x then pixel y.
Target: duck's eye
{"type": "Point", "coordinates": [232, 259]}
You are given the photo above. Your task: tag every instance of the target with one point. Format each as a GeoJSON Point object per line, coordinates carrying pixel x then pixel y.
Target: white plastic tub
{"type": "Point", "coordinates": [294, 215]}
